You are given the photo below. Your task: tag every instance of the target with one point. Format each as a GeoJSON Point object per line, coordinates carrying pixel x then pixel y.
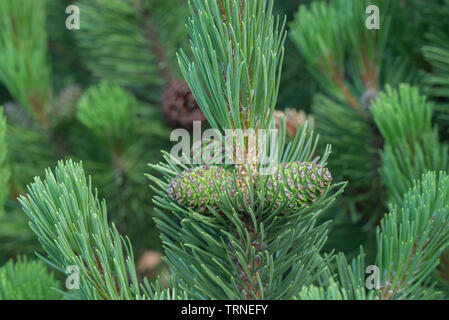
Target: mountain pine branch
{"type": "Point", "coordinates": [23, 56]}
{"type": "Point", "coordinates": [412, 145]}
{"type": "Point", "coordinates": [412, 237]}
{"type": "Point", "coordinates": [71, 224]}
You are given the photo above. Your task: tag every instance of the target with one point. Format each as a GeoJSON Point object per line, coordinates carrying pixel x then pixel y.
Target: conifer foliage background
{"type": "Point", "coordinates": [362, 165]}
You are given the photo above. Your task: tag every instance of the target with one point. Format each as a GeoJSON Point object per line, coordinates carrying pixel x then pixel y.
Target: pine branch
{"type": "Point", "coordinates": [71, 224]}
{"type": "Point", "coordinates": [25, 72]}
{"type": "Point", "coordinates": [351, 65]}
{"type": "Point", "coordinates": [235, 250]}
{"type": "Point", "coordinates": [404, 117]}
{"type": "Point", "coordinates": [110, 113]}
{"type": "Point", "coordinates": [23, 63]}
{"type": "Point", "coordinates": [126, 42]}
{"type": "Point", "coordinates": [410, 240]}
{"type": "Point", "coordinates": [318, 33]}
{"type": "Point", "coordinates": [412, 237]}
{"type": "Point", "coordinates": [227, 237]}
{"type": "Point", "coordinates": [412, 148]}
{"type": "Point", "coordinates": [238, 50]}
{"type": "Point", "coordinates": [111, 56]}
{"type": "Point", "coordinates": [167, 33]}
{"type": "Point", "coordinates": [343, 55]}
{"type": "Point", "coordinates": [237, 56]}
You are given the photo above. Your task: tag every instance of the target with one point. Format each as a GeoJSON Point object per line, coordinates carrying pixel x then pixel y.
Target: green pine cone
{"type": "Point", "coordinates": [301, 183]}
{"type": "Point", "coordinates": [194, 187]}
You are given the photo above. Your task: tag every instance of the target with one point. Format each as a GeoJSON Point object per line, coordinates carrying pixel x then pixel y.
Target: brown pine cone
{"type": "Point", "coordinates": [179, 106]}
